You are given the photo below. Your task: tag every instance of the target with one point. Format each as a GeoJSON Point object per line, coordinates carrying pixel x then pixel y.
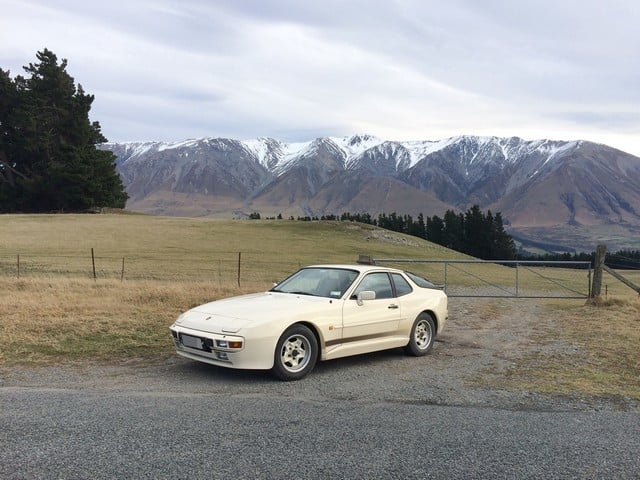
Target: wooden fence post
{"type": "Point", "coordinates": [365, 260]}
{"type": "Point", "coordinates": [18, 266]}
{"type": "Point", "coordinates": [598, 267]}
{"type": "Point", "coordinates": [93, 263]}
{"type": "Point", "coordinates": [239, 262]}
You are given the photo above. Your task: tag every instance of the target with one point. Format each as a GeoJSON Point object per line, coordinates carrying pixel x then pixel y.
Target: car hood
{"type": "Point", "coordinates": [232, 314]}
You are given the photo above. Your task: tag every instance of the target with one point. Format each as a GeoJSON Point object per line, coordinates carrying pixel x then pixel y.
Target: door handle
{"type": "Point", "coordinates": [393, 306]}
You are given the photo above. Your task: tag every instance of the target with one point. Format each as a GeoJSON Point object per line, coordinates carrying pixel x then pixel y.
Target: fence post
{"type": "Point", "coordinates": [365, 260]}
{"type": "Point", "coordinates": [18, 266]}
{"type": "Point", "coordinates": [239, 263]}
{"type": "Point", "coordinates": [122, 273]}
{"type": "Point", "coordinates": [445, 277]}
{"type": "Point", "coordinates": [598, 267]}
{"type": "Point", "coordinates": [93, 263]}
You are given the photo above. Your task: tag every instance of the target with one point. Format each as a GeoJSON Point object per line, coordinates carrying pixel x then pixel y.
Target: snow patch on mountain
{"type": "Point", "coordinates": [355, 145]}
{"type": "Point", "coordinates": [420, 149]}
{"type": "Point", "coordinates": [278, 157]}
{"type": "Point", "coordinates": [183, 144]}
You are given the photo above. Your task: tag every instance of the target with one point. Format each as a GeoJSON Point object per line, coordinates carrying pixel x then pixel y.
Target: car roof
{"type": "Point", "coordinates": [359, 267]}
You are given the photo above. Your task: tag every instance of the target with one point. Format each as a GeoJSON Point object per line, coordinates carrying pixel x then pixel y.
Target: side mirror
{"type": "Point", "coordinates": [366, 295]}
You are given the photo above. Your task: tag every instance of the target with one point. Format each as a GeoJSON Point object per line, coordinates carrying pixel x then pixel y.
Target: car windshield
{"type": "Point", "coordinates": [319, 282]}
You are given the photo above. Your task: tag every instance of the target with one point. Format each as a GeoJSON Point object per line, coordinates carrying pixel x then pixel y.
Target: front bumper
{"type": "Point", "coordinates": [210, 348]}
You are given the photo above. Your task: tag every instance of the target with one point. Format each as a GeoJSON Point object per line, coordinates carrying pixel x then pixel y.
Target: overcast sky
{"type": "Point", "coordinates": [297, 69]}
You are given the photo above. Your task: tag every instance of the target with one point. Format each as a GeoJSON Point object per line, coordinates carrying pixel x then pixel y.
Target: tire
{"type": "Point", "coordinates": [422, 336]}
{"type": "Point", "coordinates": [296, 353]}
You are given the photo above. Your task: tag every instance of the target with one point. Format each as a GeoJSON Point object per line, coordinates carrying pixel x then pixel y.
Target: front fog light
{"type": "Point", "coordinates": [222, 355]}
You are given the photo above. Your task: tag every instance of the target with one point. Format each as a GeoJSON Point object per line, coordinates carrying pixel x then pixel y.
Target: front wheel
{"type": "Point", "coordinates": [422, 335]}
{"type": "Point", "coordinates": [296, 353]}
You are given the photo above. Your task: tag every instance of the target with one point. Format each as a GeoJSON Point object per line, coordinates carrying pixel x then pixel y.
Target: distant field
{"type": "Point", "coordinates": [585, 238]}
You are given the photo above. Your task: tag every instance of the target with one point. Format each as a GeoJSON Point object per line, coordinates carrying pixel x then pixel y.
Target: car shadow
{"type": "Point", "coordinates": [193, 370]}
{"type": "Point", "coordinates": [366, 360]}
{"type": "Point", "coordinates": [199, 371]}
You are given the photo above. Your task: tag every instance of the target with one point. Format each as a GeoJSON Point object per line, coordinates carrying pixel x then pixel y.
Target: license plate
{"type": "Point", "coordinates": [191, 342]}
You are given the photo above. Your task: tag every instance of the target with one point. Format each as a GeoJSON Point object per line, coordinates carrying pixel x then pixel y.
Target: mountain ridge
{"type": "Point", "coordinates": [536, 184]}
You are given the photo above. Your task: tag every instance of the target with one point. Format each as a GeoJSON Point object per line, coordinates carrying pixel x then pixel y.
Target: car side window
{"type": "Point", "coordinates": [402, 286]}
{"type": "Point", "coordinates": [378, 282]}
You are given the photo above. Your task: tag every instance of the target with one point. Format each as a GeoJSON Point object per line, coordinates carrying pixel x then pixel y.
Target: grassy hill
{"type": "Point", "coordinates": [191, 248]}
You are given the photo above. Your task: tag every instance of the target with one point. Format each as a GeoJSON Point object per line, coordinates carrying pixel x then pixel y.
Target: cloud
{"type": "Point", "coordinates": [296, 70]}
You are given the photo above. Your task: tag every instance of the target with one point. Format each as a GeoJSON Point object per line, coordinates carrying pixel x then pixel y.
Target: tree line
{"type": "Point", "coordinates": [475, 233]}
{"type": "Point", "coordinates": [481, 235]}
{"type": "Point", "coordinates": [49, 160]}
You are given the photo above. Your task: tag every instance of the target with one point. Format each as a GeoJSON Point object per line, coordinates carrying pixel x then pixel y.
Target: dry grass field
{"type": "Point", "coordinates": [56, 312]}
{"type": "Point", "coordinates": [582, 349]}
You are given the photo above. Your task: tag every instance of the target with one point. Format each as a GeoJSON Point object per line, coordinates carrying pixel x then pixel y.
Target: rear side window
{"type": "Point", "coordinates": [402, 286]}
{"type": "Point", "coordinates": [421, 282]}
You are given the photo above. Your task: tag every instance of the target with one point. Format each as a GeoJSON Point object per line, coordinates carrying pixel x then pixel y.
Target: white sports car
{"type": "Point", "coordinates": [320, 312]}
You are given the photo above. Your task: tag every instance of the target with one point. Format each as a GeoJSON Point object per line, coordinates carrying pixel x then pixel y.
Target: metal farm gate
{"type": "Point", "coordinates": [500, 278]}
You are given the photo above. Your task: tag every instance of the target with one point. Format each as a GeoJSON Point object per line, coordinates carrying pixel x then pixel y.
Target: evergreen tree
{"type": "Point", "coordinates": [418, 229]}
{"type": "Point", "coordinates": [453, 233]}
{"type": "Point", "coordinates": [48, 155]}
{"type": "Point", "coordinates": [8, 103]}
{"type": "Point", "coordinates": [476, 234]}
{"type": "Point", "coordinates": [503, 244]}
{"type": "Point", "coordinates": [435, 230]}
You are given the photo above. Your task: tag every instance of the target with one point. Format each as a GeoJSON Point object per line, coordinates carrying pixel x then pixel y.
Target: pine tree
{"type": "Point", "coordinates": [476, 235]}
{"type": "Point", "coordinates": [419, 229]}
{"type": "Point", "coordinates": [453, 233]}
{"type": "Point", "coordinates": [48, 155]}
{"type": "Point", "coordinates": [503, 244]}
{"type": "Point", "coordinates": [8, 102]}
{"type": "Point", "coordinates": [435, 230]}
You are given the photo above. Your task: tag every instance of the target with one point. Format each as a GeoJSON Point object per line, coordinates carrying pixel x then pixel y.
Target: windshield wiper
{"type": "Point", "coordinates": [302, 293]}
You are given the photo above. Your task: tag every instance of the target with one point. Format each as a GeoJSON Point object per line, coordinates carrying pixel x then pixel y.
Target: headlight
{"type": "Point", "coordinates": [229, 343]}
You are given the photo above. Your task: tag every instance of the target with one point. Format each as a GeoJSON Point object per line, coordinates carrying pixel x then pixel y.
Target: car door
{"type": "Point", "coordinates": [372, 318]}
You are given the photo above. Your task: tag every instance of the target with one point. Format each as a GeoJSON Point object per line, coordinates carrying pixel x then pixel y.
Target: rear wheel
{"type": "Point", "coordinates": [296, 353]}
{"type": "Point", "coordinates": [422, 335]}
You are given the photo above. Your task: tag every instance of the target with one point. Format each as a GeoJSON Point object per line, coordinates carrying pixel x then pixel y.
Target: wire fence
{"type": "Point", "coordinates": [461, 278]}
{"type": "Point", "coordinates": [228, 268]}
{"type": "Point", "coordinates": [502, 278]}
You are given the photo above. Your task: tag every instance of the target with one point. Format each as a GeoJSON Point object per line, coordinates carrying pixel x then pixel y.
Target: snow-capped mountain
{"type": "Point", "coordinates": [535, 184]}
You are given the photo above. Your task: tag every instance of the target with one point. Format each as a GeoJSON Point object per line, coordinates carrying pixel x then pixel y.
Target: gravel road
{"type": "Point", "coordinates": [382, 415]}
